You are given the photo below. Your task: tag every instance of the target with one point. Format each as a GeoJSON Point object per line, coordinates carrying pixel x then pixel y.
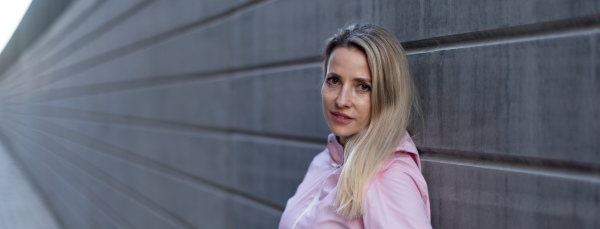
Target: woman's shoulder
{"type": "Point", "coordinates": [402, 160]}
{"type": "Point", "coordinates": [402, 167]}
{"type": "Point", "coordinates": [405, 157]}
{"type": "Point", "coordinates": [398, 196]}
{"type": "Point", "coordinates": [400, 178]}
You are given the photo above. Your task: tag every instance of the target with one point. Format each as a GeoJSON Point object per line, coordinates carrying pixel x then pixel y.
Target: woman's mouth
{"type": "Point", "coordinates": [340, 117]}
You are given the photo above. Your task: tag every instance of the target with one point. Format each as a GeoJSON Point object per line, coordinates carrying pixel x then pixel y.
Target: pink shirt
{"type": "Point", "coordinates": [396, 198]}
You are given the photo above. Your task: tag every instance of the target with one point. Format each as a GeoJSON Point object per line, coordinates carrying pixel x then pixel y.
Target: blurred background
{"type": "Point", "coordinates": [206, 114]}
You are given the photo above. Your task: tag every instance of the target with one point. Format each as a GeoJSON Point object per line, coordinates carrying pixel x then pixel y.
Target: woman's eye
{"type": "Point", "coordinates": [364, 87]}
{"type": "Point", "coordinates": [333, 81]}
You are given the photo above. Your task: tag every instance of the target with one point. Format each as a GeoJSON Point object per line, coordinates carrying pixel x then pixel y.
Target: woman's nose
{"type": "Point", "coordinates": [343, 99]}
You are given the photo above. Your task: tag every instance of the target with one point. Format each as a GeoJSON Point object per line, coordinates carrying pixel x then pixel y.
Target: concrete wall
{"type": "Point", "coordinates": [206, 114]}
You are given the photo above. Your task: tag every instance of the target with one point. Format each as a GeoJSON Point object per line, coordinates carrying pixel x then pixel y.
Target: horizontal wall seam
{"type": "Point", "coordinates": [513, 163]}
{"type": "Point", "coordinates": [585, 25]}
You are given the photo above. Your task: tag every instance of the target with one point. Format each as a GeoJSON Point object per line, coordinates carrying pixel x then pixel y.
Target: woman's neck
{"type": "Point", "coordinates": [341, 140]}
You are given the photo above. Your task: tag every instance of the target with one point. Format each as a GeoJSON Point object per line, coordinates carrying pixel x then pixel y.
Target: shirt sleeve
{"type": "Point", "coordinates": [398, 198]}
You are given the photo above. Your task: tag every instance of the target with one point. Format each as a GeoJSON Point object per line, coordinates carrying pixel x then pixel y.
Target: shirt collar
{"type": "Point", "coordinates": [336, 151]}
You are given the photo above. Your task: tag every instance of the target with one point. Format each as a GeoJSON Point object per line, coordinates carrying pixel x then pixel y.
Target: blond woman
{"type": "Point", "coordinates": [370, 174]}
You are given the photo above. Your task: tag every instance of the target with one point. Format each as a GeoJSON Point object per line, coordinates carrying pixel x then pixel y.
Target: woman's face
{"type": "Point", "coordinates": [346, 92]}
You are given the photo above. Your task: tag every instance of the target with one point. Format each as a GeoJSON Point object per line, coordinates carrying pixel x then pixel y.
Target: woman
{"type": "Point", "coordinates": [370, 174]}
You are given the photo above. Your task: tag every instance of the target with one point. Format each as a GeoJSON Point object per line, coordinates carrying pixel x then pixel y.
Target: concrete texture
{"type": "Point", "coordinates": [162, 114]}
{"type": "Point", "coordinates": [501, 105]}
{"type": "Point", "coordinates": [209, 108]}
{"type": "Point", "coordinates": [270, 170]}
{"type": "Point", "coordinates": [267, 100]}
{"type": "Point", "coordinates": [508, 196]}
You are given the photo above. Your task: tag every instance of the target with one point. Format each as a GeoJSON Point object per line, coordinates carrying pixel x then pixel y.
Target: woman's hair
{"type": "Point", "coordinates": [392, 99]}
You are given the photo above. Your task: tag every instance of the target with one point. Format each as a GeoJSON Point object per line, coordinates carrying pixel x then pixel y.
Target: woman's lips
{"type": "Point", "coordinates": [340, 117]}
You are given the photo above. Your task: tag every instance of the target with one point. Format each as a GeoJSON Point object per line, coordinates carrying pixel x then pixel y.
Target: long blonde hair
{"type": "Point", "coordinates": [393, 98]}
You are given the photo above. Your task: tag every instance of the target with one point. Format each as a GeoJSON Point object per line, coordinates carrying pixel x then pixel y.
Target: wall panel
{"type": "Point", "coordinates": [267, 102]}
{"type": "Point", "coordinates": [509, 196]}
{"type": "Point", "coordinates": [177, 150]}
{"type": "Point", "coordinates": [175, 114]}
{"type": "Point", "coordinates": [270, 170]}
{"type": "Point", "coordinates": [524, 98]}
{"type": "Point", "coordinates": [207, 105]}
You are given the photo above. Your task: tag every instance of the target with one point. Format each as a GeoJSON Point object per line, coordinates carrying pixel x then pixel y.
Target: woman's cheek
{"type": "Point", "coordinates": [328, 96]}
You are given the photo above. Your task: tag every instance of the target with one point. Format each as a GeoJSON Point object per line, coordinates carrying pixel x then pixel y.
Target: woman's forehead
{"type": "Point", "coordinates": [349, 62]}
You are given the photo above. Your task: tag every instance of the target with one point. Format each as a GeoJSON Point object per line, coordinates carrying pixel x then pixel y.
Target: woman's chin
{"type": "Point", "coordinates": [343, 134]}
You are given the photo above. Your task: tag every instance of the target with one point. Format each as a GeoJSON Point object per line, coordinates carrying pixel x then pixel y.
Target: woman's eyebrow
{"type": "Point", "coordinates": [331, 74]}
{"type": "Point", "coordinates": [361, 80]}
{"type": "Point", "coordinates": [358, 79]}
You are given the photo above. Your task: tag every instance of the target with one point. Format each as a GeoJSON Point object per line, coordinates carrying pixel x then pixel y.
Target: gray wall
{"type": "Point", "coordinates": [206, 114]}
